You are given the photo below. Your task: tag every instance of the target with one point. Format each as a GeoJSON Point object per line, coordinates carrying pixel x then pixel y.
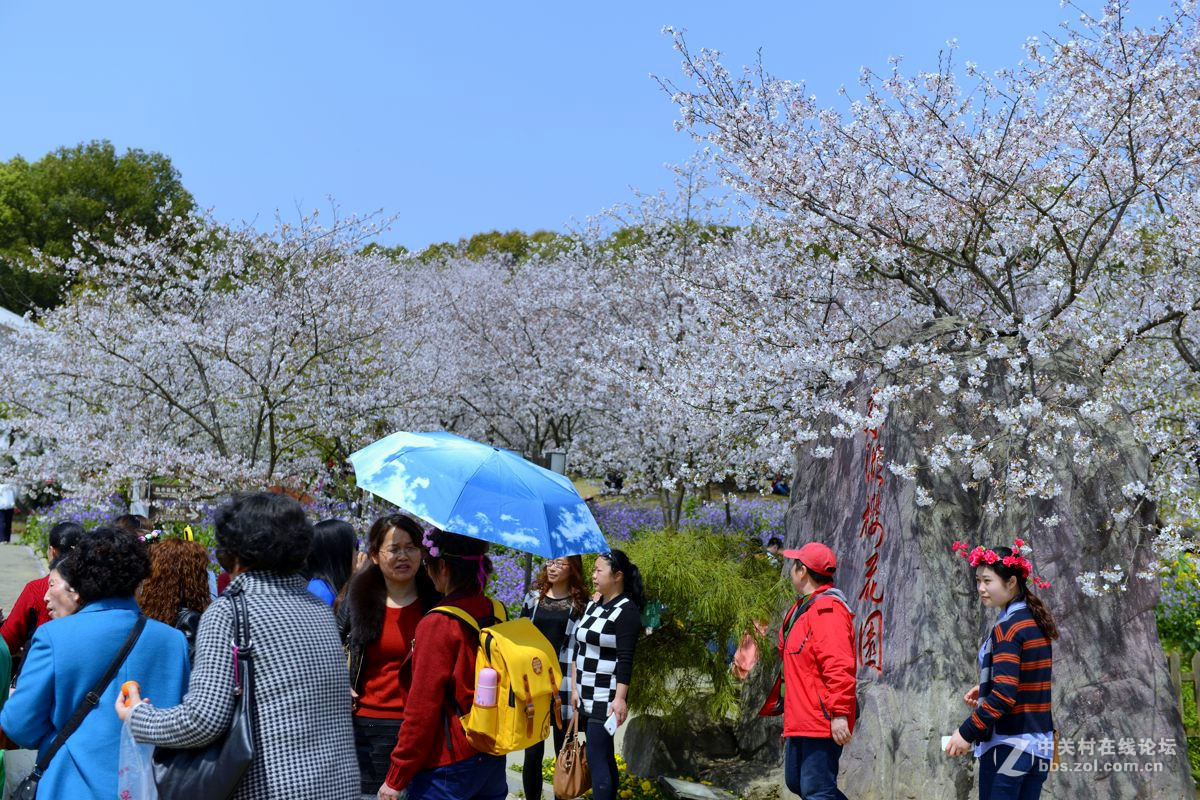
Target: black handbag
{"type": "Point", "coordinates": [214, 771]}
{"type": "Point", "coordinates": [27, 789]}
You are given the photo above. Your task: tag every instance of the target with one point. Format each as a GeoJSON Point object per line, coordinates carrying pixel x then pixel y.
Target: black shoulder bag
{"type": "Point", "coordinates": [27, 789]}
{"type": "Point", "coordinates": [214, 771]}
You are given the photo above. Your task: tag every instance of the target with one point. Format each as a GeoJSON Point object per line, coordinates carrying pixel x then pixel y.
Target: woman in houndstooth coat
{"type": "Point", "coordinates": [304, 742]}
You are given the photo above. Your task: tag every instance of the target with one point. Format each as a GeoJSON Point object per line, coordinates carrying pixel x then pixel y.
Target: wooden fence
{"type": "Point", "coordinates": [1181, 678]}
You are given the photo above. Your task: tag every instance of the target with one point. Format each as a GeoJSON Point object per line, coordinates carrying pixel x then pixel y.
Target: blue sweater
{"type": "Point", "coordinates": [66, 657]}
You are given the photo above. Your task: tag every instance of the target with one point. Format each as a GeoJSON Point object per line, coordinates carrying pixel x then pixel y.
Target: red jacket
{"type": "Point", "coordinates": [819, 667]}
{"type": "Point", "coordinates": [28, 612]}
{"type": "Point", "coordinates": [443, 657]}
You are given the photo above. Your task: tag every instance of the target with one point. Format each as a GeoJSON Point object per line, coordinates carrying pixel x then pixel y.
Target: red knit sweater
{"type": "Point", "coordinates": [27, 613]}
{"type": "Point", "coordinates": [443, 657]}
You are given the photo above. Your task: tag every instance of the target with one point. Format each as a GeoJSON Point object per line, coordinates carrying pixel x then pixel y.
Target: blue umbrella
{"type": "Point", "coordinates": [479, 491]}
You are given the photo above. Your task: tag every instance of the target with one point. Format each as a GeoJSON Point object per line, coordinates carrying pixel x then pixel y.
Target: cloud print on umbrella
{"type": "Point", "coordinates": [404, 488]}
{"type": "Point", "coordinates": [481, 527]}
{"type": "Point", "coordinates": [480, 491]}
{"type": "Point", "coordinates": [576, 527]}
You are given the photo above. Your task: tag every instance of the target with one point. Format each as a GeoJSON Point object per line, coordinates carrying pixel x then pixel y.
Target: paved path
{"type": "Point", "coordinates": [18, 566]}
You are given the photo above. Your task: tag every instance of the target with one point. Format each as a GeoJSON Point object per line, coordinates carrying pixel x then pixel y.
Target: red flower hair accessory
{"type": "Point", "coordinates": [1016, 562]}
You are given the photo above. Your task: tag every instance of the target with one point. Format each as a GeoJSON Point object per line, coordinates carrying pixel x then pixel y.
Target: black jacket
{"type": "Point", "coordinates": [188, 621]}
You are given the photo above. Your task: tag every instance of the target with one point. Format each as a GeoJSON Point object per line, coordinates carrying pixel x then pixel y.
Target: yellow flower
{"type": "Point", "coordinates": [646, 786]}
{"type": "Point", "coordinates": [626, 794]}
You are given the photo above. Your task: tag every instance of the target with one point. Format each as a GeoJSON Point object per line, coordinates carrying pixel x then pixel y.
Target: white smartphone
{"type": "Point", "coordinates": [610, 724]}
{"type": "Point", "coordinates": [945, 743]}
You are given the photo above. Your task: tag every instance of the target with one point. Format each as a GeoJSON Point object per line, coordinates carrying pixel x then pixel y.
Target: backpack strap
{"type": "Point", "coordinates": [450, 703]}
{"type": "Point", "coordinates": [499, 610]}
{"type": "Point", "coordinates": [459, 614]}
{"type": "Point", "coordinates": [90, 700]}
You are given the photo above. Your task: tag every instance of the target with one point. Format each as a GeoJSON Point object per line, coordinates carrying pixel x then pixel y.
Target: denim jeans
{"type": "Point", "coordinates": [480, 777]}
{"type": "Point", "coordinates": [602, 760]}
{"type": "Point", "coordinates": [374, 740]}
{"type": "Point", "coordinates": [1018, 779]}
{"type": "Point", "coordinates": [810, 767]}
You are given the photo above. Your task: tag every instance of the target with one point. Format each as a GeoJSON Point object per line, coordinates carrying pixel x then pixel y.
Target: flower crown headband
{"type": "Point", "coordinates": [1017, 561]}
{"type": "Point", "coordinates": [435, 552]}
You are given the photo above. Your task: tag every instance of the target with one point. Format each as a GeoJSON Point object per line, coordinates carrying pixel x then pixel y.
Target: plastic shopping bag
{"type": "Point", "coordinates": [135, 769]}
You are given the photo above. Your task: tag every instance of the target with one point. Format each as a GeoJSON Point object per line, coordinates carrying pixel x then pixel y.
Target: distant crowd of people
{"type": "Point", "coordinates": [353, 679]}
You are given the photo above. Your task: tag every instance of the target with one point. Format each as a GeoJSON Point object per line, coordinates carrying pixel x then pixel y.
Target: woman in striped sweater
{"type": "Point", "coordinates": [1010, 729]}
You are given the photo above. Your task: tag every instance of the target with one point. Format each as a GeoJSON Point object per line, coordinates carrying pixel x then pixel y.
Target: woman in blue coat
{"type": "Point", "coordinates": [67, 656]}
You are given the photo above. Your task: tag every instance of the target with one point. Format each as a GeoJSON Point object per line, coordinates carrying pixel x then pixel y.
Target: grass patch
{"type": "Point", "coordinates": [1190, 722]}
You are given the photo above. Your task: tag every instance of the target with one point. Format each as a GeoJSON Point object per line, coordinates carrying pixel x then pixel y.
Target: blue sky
{"type": "Point", "coordinates": [457, 118]}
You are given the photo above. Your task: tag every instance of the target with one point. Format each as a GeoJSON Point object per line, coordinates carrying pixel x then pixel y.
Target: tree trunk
{"type": "Point", "coordinates": [918, 621]}
{"type": "Point", "coordinates": [671, 506]}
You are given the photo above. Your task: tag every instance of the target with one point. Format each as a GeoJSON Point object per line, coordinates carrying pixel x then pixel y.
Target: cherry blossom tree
{"type": "Point", "coordinates": [979, 321]}
{"type": "Point", "coordinates": [218, 356]}
{"type": "Point", "coordinates": [650, 336]}
{"type": "Point", "coordinates": [507, 337]}
{"type": "Point", "coordinates": [1041, 214]}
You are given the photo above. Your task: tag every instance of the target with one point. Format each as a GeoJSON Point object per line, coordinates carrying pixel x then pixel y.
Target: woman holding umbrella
{"type": "Point", "coordinates": [432, 757]}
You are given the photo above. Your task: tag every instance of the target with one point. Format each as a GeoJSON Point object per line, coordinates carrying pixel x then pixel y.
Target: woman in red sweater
{"type": "Point", "coordinates": [30, 609]}
{"type": "Point", "coordinates": [432, 758]}
{"type": "Point", "coordinates": [377, 619]}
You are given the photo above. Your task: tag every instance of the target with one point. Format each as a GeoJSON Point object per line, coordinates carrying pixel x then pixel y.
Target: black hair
{"type": "Point", "coordinates": [263, 531]}
{"type": "Point", "coordinates": [366, 591]}
{"type": "Point", "coordinates": [64, 536]}
{"type": "Point", "coordinates": [619, 562]}
{"type": "Point", "coordinates": [57, 563]}
{"type": "Point", "coordinates": [331, 556]}
{"type": "Point", "coordinates": [815, 577]}
{"type": "Point", "coordinates": [775, 540]}
{"type": "Point", "coordinates": [107, 562]}
{"type": "Point", "coordinates": [465, 558]}
{"type": "Point", "coordinates": [377, 535]}
{"type": "Point", "coordinates": [133, 523]}
{"type": "Point", "coordinates": [1041, 614]}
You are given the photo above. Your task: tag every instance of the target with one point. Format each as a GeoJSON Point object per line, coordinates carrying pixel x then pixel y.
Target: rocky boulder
{"type": "Point", "coordinates": [920, 623]}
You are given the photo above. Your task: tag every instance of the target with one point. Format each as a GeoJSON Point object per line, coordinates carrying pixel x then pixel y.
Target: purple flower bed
{"type": "Point", "coordinates": [88, 512]}
{"type": "Point", "coordinates": [507, 582]}
{"type": "Point", "coordinates": [756, 517]}
{"type": "Point", "coordinates": [620, 521]}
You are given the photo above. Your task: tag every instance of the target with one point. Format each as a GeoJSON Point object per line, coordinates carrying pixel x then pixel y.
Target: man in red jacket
{"type": "Point", "coordinates": [819, 702]}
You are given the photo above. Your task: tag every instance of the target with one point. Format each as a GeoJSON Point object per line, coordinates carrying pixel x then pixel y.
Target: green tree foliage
{"type": "Point", "coordinates": [712, 587]}
{"type": "Point", "coordinates": [88, 187]}
{"type": "Point", "coordinates": [517, 245]}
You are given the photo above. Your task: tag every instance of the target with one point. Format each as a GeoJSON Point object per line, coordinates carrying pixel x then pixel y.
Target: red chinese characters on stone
{"type": "Point", "coordinates": [870, 630]}
{"type": "Point", "coordinates": [870, 641]}
{"type": "Point", "coordinates": [871, 591]}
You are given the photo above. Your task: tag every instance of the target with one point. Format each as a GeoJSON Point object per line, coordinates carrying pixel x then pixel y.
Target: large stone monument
{"type": "Point", "coordinates": [919, 623]}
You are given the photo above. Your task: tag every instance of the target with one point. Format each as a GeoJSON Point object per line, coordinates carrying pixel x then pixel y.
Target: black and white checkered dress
{"type": "Point", "coordinates": [604, 641]}
{"type": "Point", "coordinates": [304, 742]}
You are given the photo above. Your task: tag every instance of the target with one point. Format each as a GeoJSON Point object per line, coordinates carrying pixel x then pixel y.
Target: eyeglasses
{"type": "Point", "coordinates": [411, 551]}
{"type": "Point", "coordinates": [560, 563]}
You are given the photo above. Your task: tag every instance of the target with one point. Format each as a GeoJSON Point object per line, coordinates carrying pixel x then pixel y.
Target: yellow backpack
{"type": "Point", "coordinates": [527, 691]}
